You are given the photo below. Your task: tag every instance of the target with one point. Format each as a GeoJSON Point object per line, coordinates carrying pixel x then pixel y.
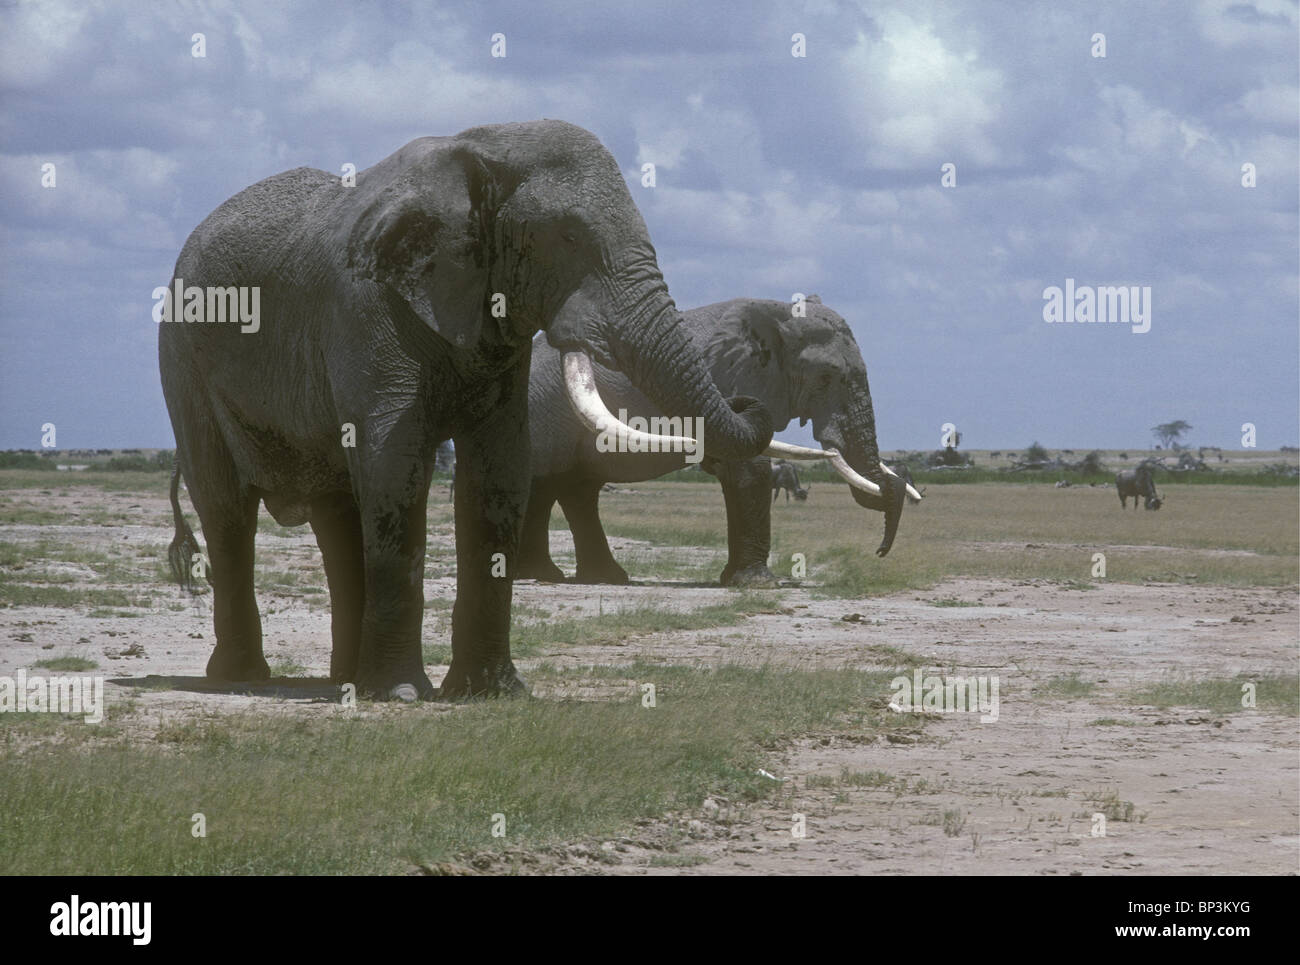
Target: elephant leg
{"type": "Point", "coordinates": [535, 561]}
{"type": "Point", "coordinates": [749, 521]}
{"type": "Point", "coordinates": [493, 457]}
{"type": "Point", "coordinates": [337, 525]}
{"type": "Point", "coordinates": [393, 496]}
{"type": "Point", "coordinates": [229, 528]}
{"type": "Point", "coordinates": [596, 564]}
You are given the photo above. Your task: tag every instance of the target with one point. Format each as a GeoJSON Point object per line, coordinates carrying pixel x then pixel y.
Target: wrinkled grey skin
{"type": "Point", "coordinates": [1137, 482]}
{"type": "Point", "coordinates": [376, 310]}
{"type": "Point", "coordinates": [785, 476]}
{"type": "Point", "coordinates": [806, 368]}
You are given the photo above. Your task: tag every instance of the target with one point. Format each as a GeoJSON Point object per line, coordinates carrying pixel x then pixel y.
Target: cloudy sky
{"type": "Point", "coordinates": [775, 174]}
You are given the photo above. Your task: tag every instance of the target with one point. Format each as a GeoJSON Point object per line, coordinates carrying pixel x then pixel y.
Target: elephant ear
{"type": "Point", "coordinates": [425, 233]}
{"type": "Point", "coordinates": [747, 355]}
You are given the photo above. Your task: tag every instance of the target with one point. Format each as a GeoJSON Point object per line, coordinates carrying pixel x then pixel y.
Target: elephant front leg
{"type": "Point", "coordinates": [749, 521]}
{"type": "Point", "coordinates": [390, 662]}
{"type": "Point", "coordinates": [493, 471]}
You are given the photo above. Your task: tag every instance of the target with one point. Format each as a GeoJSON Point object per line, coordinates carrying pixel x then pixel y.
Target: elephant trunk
{"type": "Point", "coordinates": [852, 431]}
{"type": "Point", "coordinates": [650, 345]}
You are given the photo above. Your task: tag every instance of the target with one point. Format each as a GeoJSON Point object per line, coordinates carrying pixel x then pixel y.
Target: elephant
{"type": "Point", "coordinates": [806, 367]}
{"type": "Point", "coordinates": [1138, 482]}
{"type": "Point", "coordinates": [785, 476]}
{"type": "Point", "coordinates": [393, 314]}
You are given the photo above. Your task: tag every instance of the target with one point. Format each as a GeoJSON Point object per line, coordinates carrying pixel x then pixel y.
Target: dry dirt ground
{"type": "Point", "coordinates": [1188, 792]}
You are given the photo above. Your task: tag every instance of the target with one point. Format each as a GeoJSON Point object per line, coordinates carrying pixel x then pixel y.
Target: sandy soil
{"type": "Point", "coordinates": [1209, 794]}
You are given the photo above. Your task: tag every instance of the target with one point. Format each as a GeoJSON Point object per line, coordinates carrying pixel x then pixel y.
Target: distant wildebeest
{"type": "Point", "coordinates": [1137, 482]}
{"type": "Point", "coordinates": [905, 474]}
{"type": "Point", "coordinates": [995, 455]}
{"type": "Point", "coordinates": [785, 477]}
{"type": "Point", "coordinates": [1123, 455]}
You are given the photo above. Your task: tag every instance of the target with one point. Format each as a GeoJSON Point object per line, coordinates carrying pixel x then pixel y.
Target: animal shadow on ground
{"type": "Point", "coordinates": [301, 688]}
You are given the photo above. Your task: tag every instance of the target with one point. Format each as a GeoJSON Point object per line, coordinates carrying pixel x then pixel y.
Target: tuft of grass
{"type": "Point", "coordinates": [287, 667]}
{"type": "Point", "coordinates": [384, 792]}
{"type": "Point", "coordinates": [677, 860]}
{"type": "Point", "coordinates": [1065, 686]}
{"type": "Point", "coordinates": [953, 822]}
{"type": "Point", "coordinates": [1113, 722]}
{"type": "Point", "coordinates": [66, 663]}
{"type": "Point", "coordinates": [952, 601]}
{"type": "Point", "coordinates": [1109, 804]}
{"type": "Point", "coordinates": [1273, 693]}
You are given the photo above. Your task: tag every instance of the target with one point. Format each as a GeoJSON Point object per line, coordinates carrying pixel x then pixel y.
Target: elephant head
{"type": "Point", "coordinates": [810, 368]}
{"type": "Point", "coordinates": [500, 231]}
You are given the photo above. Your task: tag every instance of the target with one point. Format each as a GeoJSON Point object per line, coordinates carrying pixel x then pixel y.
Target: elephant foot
{"type": "Point", "coordinates": [407, 687]}
{"type": "Point", "coordinates": [756, 574]}
{"type": "Point", "coordinates": [480, 682]}
{"type": "Point", "coordinates": [545, 571]}
{"type": "Point", "coordinates": [227, 663]}
{"type": "Point", "coordinates": [609, 573]}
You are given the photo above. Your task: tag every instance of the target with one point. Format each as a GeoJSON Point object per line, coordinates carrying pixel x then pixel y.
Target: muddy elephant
{"type": "Point", "coordinates": [808, 368]}
{"type": "Point", "coordinates": [393, 314]}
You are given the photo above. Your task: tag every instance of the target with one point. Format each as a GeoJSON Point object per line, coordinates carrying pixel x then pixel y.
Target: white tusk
{"type": "Point", "coordinates": [580, 385]}
{"type": "Point", "coordinates": [910, 490]}
{"type": "Point", "coordinates": [785, 450]}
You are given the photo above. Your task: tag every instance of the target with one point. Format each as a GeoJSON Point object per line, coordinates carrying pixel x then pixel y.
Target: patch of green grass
{"type": "Point", "coordinates": [677, 860]}
{"type": "Point", "coordinates": [286, 667]}
{"type": "Point", "coordinates": [619, 626]}
{"type": "Point", "coordinates": [1273, 693]}
{"type": "Point", "coordinates": [66, 663]}
{"type": "Point", "coordinates": [108, 613]}
{"type": "Point", "coordinates": [384, 792]}
{"type": "Point", "coordinates": [1113, 722]}
{"type": "Point", "coordinates": [952, 601]}
{"type": "Point", "coordinates": [1065, 686]}
{"type": "Point", "coordinates": [23, 594]}
{"type": "Point", "coordinates": [868, 778]}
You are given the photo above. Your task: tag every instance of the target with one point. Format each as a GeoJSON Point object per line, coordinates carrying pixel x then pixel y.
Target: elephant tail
{"type": "Point", "coordinates": [181, 552]}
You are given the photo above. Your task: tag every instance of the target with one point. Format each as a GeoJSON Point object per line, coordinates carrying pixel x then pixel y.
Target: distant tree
{"type": "Point", "coordinates": [1170, 432]}
{"type": "Point", "coordinates": [1092, 462]}
{"type": "Point", "coordinates": [1036, 453]}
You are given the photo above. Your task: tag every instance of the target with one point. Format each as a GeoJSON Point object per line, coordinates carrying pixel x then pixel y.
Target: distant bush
{"type": "Point", "coordinates": [21, 460]}
{"type": "Point", "coordinates": [163, 460]}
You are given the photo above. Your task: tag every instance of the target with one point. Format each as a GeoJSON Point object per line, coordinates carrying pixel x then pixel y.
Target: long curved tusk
{"type": "Point", "coordinates": [785, 450]}
{"type": "Point", "coordinates": [911, 490]}
{"type": "Point", "coordinates": [580, 385]}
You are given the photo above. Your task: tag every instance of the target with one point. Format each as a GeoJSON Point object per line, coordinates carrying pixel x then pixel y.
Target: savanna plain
{"type": "Point", "coordinates": [676, 726]}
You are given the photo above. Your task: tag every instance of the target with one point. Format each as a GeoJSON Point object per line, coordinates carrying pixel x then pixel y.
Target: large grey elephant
{"type": "Point", "coordinates": [808, 368]}
{"type": "Point", "coordinates": [395, 314]}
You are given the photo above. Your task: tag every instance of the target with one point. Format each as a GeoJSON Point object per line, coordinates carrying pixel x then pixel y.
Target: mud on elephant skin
{"type": "Point", "coordinates": [808, 368]}
{"type": "Point", "coordinates": [381, 310]}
